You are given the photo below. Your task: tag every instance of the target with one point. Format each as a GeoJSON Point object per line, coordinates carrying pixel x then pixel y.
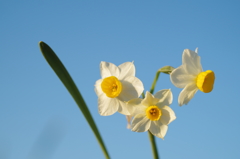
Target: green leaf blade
{"type": "Point", "coordinates": [66, 79]}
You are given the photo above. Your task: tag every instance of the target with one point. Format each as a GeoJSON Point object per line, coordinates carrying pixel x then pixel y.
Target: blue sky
{"type": "Point", "coordinates": [39, 118]}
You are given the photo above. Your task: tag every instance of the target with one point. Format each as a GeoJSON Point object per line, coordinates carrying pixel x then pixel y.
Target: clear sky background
{"type": "Point", "coordinates": [39, 118]}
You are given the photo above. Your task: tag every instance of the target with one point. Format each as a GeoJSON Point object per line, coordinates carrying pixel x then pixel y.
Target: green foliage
{"type": "Point", "coordinates": [66, 79]}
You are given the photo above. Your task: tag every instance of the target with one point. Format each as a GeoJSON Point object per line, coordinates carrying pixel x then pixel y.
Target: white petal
{"type": "Point", "coordinates": [132, 87]}
{"type": "Point", "coordinates": [192, 62]}
{"type": "Point", "coordinates": [165, 96]}
{"type": "Point", "coordinates": [129, 118]}
{"type": "Point", "coordinates": [149, 100]}
{"type": "Point", "coordinates": [196, 50]}
{"type": "Point", "coordinates": [139, 109]}
{"type": "Point", "coordinates": [98, 88]}
{"type": "Point", "coordinates": [108, 69]}
{"type": "Point", "coordinates": [133, 104]}
{"type": "Point", "coordinates": [126, 69]}
{"type": "Point", "coordinates": [107, 106]}
{"type": "Point", "coordinates": [168, 115]}
{"type": "Point", "coordinates": [123, 108]}
{"type": "Point", "coordinates": [180, 78]}
{"type": "Point", "coordinates": [158, 129]}
{"type": "Point", "coordinates": [187, 94]}
{"type": "Point", "coordinates": [140, 123]}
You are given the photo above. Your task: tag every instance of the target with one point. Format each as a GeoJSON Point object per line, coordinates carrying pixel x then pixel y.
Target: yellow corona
{"type": "Point", "coordinates": [205, 81]}
{"type": "Point", "coordinates": [153, 113]}
{"type": "Point", "coordinates": [111, 86]}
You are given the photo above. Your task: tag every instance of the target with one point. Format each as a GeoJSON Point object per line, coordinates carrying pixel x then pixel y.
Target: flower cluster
{"type": "Point", "coordinates": [119, 90]}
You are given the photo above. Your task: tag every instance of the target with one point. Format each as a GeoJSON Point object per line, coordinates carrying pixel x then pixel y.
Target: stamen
{"type": "Point", "coordinates": [153, 113]}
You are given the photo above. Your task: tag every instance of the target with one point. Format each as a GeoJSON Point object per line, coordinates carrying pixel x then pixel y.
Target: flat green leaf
{"type": "Point", "coordinates": [66, 79]}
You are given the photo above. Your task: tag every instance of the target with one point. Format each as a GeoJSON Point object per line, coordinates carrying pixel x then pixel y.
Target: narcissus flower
{"type": "Point", "coordinates": [152, 113]}
{"type": "Point", "coordinates": [118, 85]}
{"type": "Point", "coordinates": [191, 77]}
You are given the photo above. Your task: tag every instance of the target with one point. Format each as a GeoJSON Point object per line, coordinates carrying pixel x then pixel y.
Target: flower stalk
{"type": "Point", "coordinates": [166, 70]}
{"type": "Point", "coordinates": [153, 145]}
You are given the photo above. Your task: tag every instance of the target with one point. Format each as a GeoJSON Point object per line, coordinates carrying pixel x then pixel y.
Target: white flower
{"type": "Point", "coordinates": [152, 113]}
{"type": "Point", "coordinates": [118, 85]}
{"type": "Point", "coordinates": [191, 77]}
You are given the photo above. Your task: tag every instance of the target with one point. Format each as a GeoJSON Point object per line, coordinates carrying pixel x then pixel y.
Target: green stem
{"type": "Point", "coordinates": [151, 137]}
{"type": "Point", "coordinates": [153, 145]}
{"type": "Point", "coordinates": [166, 70]}
{"type": "Point", "coordinates": [155, 82]}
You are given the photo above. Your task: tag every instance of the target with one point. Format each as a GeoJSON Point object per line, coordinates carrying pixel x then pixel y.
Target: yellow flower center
{"type": "Point", "coordinates": [205, 81]}
{"type": "Point", "coordinates": [111, 86]}
{"type": "Point", "coordinates": [153, 113]}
